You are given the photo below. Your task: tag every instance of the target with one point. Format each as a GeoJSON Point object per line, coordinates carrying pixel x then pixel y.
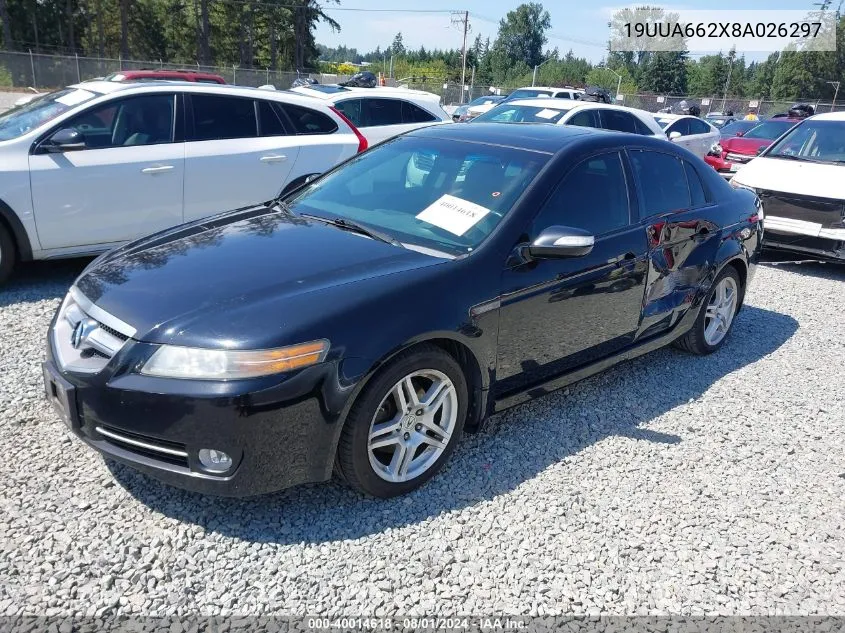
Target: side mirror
{"type": "Point", "coordinates": [65, 140]}
{"type": "Point", "coordinates": [674, 135]}
{"type": "Point", "coordinates": [558, 242]}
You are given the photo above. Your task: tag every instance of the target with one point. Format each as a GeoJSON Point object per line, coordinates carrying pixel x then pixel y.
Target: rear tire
{"type": "Point", "coordinates": [405, 424]}
{"type": "Point", "coordinates": [8, 254]}
{"type": "Point", "coordinates": [716, 317]}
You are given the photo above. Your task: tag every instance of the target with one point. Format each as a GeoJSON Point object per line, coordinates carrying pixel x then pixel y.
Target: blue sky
{"type": "Point", "coordinates": [581, 26]}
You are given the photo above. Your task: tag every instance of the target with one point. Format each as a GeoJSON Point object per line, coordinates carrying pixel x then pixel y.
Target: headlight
{"type": "Point", "coordinates": [715, 150]}
{"type": "Point", "coordinates": [172, 361]}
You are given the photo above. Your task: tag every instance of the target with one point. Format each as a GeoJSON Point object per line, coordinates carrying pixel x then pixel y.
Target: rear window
{"type": "Point", "coordinates": [529, 94]}
{"type": "Point", "coordinates": [662, 182]}
{"type": "Point", "coordinates": [306, 120]}
{"type": "Point", "coordinates": [507, 113]}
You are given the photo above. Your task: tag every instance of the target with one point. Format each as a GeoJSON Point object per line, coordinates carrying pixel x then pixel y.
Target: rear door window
{"type": "Point", "coordinates": [351, 109]}
{"type": "Point", "coordinates": [696, 189]}
{"type": "Point", "coordinates": [585, 118]}
{"type": "Point", "coordinates": [697, 126]}
{"type": "Point", "coordinates": [661, 181]}
{"type": "Point", "coordinates": [380, 112]}
{"type": "Point", "coordinates": [619, 121]}
{"type": "Point", "coordinates": [269, 122]}
{"type": "Point", "coordinates": [681, 126]}
{"type": "Point", "coordinates": [412, 113]}
{"type": "Point", "coordinates": [222, 117]}
{"type": "Point", "coordinates": [306, 120]}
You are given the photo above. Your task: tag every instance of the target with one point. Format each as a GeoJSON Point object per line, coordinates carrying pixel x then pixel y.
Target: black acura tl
{"type": "Point", "coordinates": [362, 323]}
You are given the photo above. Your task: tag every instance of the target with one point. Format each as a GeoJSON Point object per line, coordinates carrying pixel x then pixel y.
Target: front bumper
{"type": "Point", "coordinates": [726, 168]}
{"type": "Point", "coordinates": [804, 224]}
{"type": "Point", "coordinates": [277, 436]}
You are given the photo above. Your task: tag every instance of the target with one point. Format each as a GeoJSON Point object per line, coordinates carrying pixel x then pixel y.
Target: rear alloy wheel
{"type": "Point", "coordinates": [716, 317]}
{"type": "Point", "coordinates": [405, 424]}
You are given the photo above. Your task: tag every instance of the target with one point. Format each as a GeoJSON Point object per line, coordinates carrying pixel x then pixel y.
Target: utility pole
{"type": "Point", "coordinates": [457, 18]}
{"type": "Point", "coordinates": [835, 84]}
{"type": "Point", "coordinates": [727, 85]}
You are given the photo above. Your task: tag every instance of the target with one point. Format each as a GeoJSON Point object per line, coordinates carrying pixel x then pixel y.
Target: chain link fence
{"type": "Point", "coordinates": [739, 106]}
{"type": "Point", "coordinates": [44, 72]}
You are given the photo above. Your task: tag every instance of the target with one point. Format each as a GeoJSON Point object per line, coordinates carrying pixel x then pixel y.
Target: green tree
{"type": "Point", "coordinates": [666, 73]}
{"type": "Point", "coordinates": [397, 48]}
{"type": "Point", "coordinates": [521, 37]}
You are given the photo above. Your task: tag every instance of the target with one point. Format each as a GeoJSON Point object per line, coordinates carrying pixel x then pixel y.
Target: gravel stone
{"type": "Point", "coordinates": [669, 484]}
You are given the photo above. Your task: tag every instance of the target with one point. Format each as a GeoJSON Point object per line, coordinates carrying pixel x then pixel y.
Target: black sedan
{"type": "Point", "coordinates": [363, 322]}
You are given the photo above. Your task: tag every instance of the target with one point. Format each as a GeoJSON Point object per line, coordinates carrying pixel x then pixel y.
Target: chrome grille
{"type": "Point", "coordinates": [154, 448]}
{"type": "Point", "coordinates": [86, 337]}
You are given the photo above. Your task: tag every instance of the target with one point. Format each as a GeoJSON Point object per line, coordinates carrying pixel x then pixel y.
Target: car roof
{"type": "Point", "coordinates": [829, 116]}
{"type": "Point", "coordinates": [540, 102]}
{"type": "Point", "coordinates": [110, 87]}
{"type": "Point", "coordinates": [537, 137]}
{"type": "Point", "coordinates": [344, 91]}
{"type": "Point", "coordinates": [550, 88]}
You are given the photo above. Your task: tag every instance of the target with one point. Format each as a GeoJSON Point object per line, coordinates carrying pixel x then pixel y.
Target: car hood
{"type": "Point", "coordinates": [742, 145]}
{"type": "Point", "coordinates": [250, 271]}
{"type": "Point", "coordinates": [795, 177]}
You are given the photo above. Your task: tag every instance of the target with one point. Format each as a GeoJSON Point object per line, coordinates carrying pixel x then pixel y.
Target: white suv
{"type": "Point", "coordinates": [381, 113]}
{"type": "Point", "coordinates": [101, 163]}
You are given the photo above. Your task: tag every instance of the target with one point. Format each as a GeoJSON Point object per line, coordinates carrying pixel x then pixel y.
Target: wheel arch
{"type": "Point", "coordinates": [477, 381]}
{"type": "Point", "coordinates": [12, 223]}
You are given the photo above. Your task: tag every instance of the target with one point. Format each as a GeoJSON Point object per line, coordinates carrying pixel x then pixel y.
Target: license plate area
{"type": "Point", "coordinates": [61, 395]}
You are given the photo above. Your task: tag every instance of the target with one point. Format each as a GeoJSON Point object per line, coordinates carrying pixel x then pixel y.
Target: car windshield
{"type": "Point", "coordinates": [25, 118]}
{"type": "Point", "coordinates": [432, 193]}
{"type": "Point", "coordinates": [768, 130]}
{"type": "Point", "coordinates": [485, 100]}
{"type": "Point", "coordinates": [507, 113]}
{"type": "Point", "coordinates": [529, 94]}
{"type": "Point", "coordinates": [731, 129]}
{"type": "Point", "coordinates": [813, 141]}
{"type": "Point", "coordinates": [717, 122]}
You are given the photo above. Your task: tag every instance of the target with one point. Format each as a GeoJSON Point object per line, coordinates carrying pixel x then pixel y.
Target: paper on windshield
{"type": "Point", "coordinates": [74, 98]}
{"type": "Point", "coordinates": [453, 214]}
{"type": "Point", "coordinates": [547, 113]}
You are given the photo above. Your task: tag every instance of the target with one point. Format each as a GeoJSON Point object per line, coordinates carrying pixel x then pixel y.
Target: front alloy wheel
{"type": "Point", "coordinates": [413, 425]}
{"type": "Point", "coordinates": [404, 424]}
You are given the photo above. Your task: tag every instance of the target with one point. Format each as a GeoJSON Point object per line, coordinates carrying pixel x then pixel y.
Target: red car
{"type": "Point", "coordinates": [729, 154]}
{"type": "Point", "coordinates": [170, 75]}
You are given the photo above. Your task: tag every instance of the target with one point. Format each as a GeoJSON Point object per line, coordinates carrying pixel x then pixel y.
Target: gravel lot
{"type": "Point", "coordinates": [669, 484]}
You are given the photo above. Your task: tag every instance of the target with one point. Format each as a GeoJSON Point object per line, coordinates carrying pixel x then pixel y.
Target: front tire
{"type": "Point", "coordinates": [716, 317]}
{"type": "Point", "coordinates": [405, 424]}
{"type": "Point", "coordinates": [8, 254]}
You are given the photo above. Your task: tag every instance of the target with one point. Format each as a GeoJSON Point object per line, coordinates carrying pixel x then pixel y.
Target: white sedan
{"type": "Point", "coordinates": [572, 112]}
{"type": "Point", "coordinates": [380, 113]}
{"type": "Point", "coordinates": [697, 135]}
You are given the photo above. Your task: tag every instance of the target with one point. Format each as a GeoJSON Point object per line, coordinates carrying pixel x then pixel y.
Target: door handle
{"type": "Point", "coordinates": [158, 169]}
{"type": "Point", "coordinates": [273, 158]}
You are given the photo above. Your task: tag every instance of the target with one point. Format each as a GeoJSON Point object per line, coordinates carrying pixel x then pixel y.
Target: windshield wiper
{"type": "Point", "coordinates": [351, 225]}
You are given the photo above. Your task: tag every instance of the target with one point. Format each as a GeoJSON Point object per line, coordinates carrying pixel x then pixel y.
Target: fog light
{"type": "Point", "coordinates": [214, 461]}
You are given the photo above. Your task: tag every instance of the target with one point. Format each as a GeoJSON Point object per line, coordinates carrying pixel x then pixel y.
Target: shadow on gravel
{"type": "Point", "coordinates": [36, 281]}
{"type": "Point", "coordinates": [515, 446]}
